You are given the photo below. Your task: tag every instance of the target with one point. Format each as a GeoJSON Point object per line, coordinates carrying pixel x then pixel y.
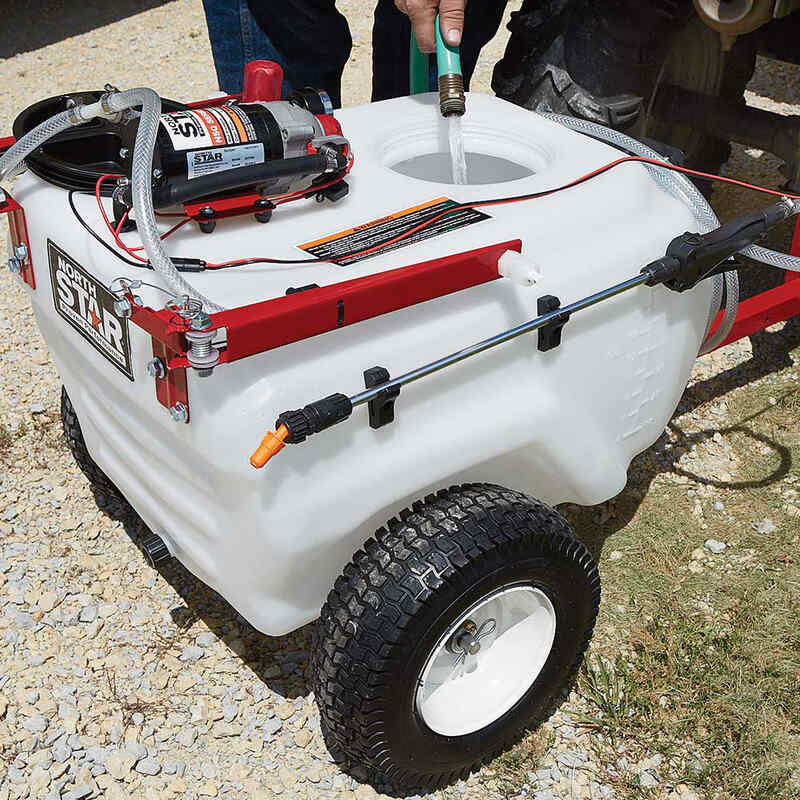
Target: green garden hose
{"type": "Point", "coordinates": [451, 80]}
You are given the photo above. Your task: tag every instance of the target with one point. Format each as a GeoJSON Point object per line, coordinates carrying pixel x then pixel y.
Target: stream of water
{"type": "Point", "coordinates": [458, 155]}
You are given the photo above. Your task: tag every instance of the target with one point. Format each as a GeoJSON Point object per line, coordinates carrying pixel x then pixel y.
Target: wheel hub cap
{"type": "Point", "coordinates": [486, 660]}
{"type": "Point", "coordinates": [466, 641]}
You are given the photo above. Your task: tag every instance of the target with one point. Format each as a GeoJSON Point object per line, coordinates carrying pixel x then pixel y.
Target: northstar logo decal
{"type": "Point", "coordinates": [89, 307]}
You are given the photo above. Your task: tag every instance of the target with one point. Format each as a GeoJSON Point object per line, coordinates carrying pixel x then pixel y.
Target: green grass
{"type": "Point", "coordinates": [703, 668]}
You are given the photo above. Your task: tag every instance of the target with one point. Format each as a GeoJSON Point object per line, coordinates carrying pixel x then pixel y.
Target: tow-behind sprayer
{"type": "Point", "coordinates": [181, 327]}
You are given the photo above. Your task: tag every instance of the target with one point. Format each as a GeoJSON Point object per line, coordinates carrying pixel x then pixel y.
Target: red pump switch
{"type": "Point", "coordinates": [263, 80]}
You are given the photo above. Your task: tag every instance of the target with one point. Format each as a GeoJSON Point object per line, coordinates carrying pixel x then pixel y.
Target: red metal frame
{"type": "Point", "coordinates": [18, 230]}
{"type": "Point", "coordinates": [224, 207]}
{"type": "Point", "coordinates": [166, 329]}
{"type": "Point", "coordinates": [171, 387]}
{"type": "Point", "coordinates": [264, 326]}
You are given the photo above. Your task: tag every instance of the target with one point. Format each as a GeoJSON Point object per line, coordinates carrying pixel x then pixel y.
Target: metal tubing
{"type": "Point", "coordinates": [500, 338]}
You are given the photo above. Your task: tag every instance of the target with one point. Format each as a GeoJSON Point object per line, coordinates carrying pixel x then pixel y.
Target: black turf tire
{"type": "Point", "coordinates": [101, 484]}
{"type": "Point", "coordinates": [400, 593]}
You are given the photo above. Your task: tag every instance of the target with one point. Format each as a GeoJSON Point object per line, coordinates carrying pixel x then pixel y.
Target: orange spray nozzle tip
{"type": "Point", "coordinates": [270, 446]}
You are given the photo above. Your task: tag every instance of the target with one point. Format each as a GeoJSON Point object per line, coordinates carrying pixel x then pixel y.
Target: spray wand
{"type": "Point", "coordinates": [689, 259]}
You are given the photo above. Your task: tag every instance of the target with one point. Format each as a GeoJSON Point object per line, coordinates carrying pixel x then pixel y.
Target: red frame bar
{"type": "Point", "coordinates": [171, 387]}
{"type": "Point", "coordinates": [18, 230]}
{"type": "Point", "coordinates": [273, 323]}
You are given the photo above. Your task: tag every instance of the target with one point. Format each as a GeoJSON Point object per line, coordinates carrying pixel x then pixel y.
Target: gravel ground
{"type": "Point", "coordinates": [118, 682]}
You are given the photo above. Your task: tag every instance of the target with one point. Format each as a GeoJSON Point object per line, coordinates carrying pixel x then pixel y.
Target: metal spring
{"type": "Point", "coordinates": [201, 349]}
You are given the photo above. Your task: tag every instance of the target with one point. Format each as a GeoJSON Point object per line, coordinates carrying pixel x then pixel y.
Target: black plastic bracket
{"type": "Point", "coordinates": [120, 206]}
{"type": "Point", "coordinates": [334, 193]}
{"type": "Point", "coordinates": [298, 289]}
{"type": "Point", "coordinates": [550, 334]}
{"type": "Point", "coordinates": [381, 408]}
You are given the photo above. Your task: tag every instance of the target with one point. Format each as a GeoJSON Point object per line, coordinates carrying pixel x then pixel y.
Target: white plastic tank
{"type": "Point", "coordinates": [561, 425]}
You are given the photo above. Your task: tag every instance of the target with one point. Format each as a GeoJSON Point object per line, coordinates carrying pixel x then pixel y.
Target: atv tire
{"type": "Point", "coordinates": [605, 62]}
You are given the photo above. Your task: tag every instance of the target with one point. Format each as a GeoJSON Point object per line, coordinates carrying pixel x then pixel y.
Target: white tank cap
{"type": "Point", "coordinates": [518, 268]}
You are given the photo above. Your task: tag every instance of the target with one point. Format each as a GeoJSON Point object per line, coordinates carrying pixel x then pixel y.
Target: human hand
{"type": "Point", "coordinates": [423, 18]}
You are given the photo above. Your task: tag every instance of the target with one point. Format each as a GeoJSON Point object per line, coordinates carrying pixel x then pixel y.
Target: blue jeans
{"type": "Point", "coordinates": [311, 40]}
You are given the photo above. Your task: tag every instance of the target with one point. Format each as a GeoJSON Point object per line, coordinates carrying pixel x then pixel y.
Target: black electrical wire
{"type": "Point", "coordinates": [142, 265]}
{"type": "Point", "coordinates": [97, 236]}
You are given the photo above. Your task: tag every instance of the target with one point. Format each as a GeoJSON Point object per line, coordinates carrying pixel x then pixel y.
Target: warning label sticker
{"type": "Point", "coordinates": [217, 159]}
{"type": "Point", "coordinates": [208, 127]}
{"type": "Point", "coordinates": [346, 247]}
{"type": "Point", "coordinates": [89, 307]}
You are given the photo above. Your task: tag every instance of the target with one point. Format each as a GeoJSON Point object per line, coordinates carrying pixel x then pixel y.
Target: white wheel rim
{"type": "Point", "coordinates": [460, 693]}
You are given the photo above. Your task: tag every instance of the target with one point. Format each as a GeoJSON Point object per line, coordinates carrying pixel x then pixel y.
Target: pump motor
{"type": "Point", "coordinates": [198, 142]}
{"type": "Point", "coordinates": [270, 147]}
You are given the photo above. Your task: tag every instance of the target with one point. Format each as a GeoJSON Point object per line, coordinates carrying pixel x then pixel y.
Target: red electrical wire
{"type": "Point", "coordinates": [115, 232]}
{"type": "Point", "coordinates": [459, 207]}
{"type": "Point", "coordinates": [132, 251]}
{"type": "Point", "coordinates": [571, 184]}
{"type": "Point", "coordinates": [97, 187]}
{"type": "Point", "coordinates": [521, 198]}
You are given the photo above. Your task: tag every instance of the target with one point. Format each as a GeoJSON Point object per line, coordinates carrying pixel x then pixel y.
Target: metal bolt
{"type": "Point", "coordinates": [200, 321]}
{"type": "Point", "coordinates": [202, 355]}
{"type": "Point", "coordinates": [124, 152]}
{"type": "Point", "coordinates": [14, 266]}
{"type": "Point", "coordinates": [21, 252]}
{"type": "Point", "coordinates": [156, 369]}
{"type": "Point", "coordinates": [122, 308]}
{"type": "Point", "coordinates": [179, 412]}
{"type": "Point", "coordinates": [158, 174]}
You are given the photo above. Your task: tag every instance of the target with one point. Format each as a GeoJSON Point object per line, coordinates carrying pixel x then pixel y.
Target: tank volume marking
{"type": "Point", "coordinates": [632, 432]}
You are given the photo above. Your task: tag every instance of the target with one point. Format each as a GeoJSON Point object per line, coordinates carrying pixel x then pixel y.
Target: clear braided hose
{"type": "Point", "coordinates": [141, 183]}
{"type": "Point", "coordinates": [772, 257]}
{"type": "Point", "coordinates": [32, 141]}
